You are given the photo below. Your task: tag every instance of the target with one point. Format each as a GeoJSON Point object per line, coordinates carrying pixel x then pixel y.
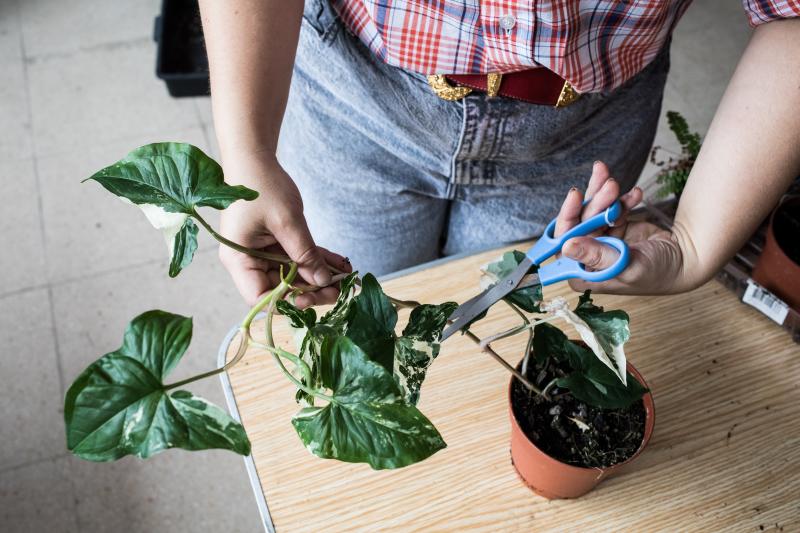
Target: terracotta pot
{"type": "Point", "coordinates": [775, 270]}
{"type": "Point", "coordinates": [553, 479]}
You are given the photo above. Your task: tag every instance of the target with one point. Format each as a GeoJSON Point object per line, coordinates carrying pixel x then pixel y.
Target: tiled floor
{"type": "Point", "coordinates": [77, 91]}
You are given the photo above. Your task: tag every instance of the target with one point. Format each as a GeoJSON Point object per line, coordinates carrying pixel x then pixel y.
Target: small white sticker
{"type": "Point", "coordinates": [766, 302]}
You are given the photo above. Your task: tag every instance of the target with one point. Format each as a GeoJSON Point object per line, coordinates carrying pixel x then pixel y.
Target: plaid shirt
{"type": "Point", "coordinates": [595, 45]}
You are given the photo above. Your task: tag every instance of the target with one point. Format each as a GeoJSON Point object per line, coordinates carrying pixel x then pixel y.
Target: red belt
{"type": "Point", "coordinates": [537, 86]}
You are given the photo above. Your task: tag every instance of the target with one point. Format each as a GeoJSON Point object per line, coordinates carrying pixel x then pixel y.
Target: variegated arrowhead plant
{"type": "Point", "coordinates": [351, 359]}
{"type": "Point", "coordinates": [358, 381]}
{"type": "Point", "coordinates": [599, 373]}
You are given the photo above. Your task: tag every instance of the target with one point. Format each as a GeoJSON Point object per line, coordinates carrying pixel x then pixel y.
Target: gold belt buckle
{"type": "Point", "coordinates": [445, 91]}
{"type": "Point", "coordinates": [568, 95]}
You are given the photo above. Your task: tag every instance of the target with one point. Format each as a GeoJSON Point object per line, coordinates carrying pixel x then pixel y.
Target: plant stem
{"type": "Point", "coordinates": [527, 356]}
{"type": "Point", "coordinates": [549, 386]}
{"type": "Point", "coordinates": [503, 362]}
{"type": "Point", "coordinates": [261, 254]}
{"type": "Point", "coordinates": [244, 335]}
{"type": "Point", "coordinates": [278, 258]}
{"type": "Point", "coordinates": [277, 353]}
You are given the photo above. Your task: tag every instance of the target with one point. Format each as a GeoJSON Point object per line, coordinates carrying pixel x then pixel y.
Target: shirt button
{"type": "Point", "coordinates": [507, 22]}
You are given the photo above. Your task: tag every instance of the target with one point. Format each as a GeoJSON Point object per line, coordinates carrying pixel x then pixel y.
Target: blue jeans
{"type": "Point", "coordinates": [391, 175]}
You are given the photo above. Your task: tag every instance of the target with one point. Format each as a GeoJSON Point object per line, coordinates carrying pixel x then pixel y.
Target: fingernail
{"type": "Point", "coordinates": [575, 250]}
{"type": "Point", "coordinates": [573, 189]}
{"type": "Point", "coordinates": [322, 277]}
{"type": "Point", "coordinates": [597, 162]}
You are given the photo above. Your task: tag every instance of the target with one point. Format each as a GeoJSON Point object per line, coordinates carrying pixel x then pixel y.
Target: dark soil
{"type": "Point", "coordinates": [786, 227]}
{"type": "Point", "coordinates": [614, 435]}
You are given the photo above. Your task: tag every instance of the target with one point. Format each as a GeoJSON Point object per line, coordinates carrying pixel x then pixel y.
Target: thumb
{"type": "Point", "coordinates": [590, 252]}
{"type": "Point", "coordinates": [296, 240]}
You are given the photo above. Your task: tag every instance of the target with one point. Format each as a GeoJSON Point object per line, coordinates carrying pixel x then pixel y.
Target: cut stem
{"type": "Point", "coordinates": [503, 362]}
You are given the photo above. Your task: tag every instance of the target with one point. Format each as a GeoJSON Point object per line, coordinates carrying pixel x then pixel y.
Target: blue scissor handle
{"type": "Point", "coordinates": [548, 245]}
{"type": "Point", "coordinates": [565, 268]}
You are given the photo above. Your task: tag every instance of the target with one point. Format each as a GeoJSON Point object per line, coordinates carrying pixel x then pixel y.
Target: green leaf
{"type": "Point", "coordinates": [367, 420]}
{"type": "Point", "coordinates": [601, 394]}
{"type": "Point", "coordinates": [415, 351]}
{"type": "Point", "coordinates": [183, 247]}
{"type": "Point", "coordinates": [177, 177]}
{"type": "Point", "coordinates": [305, 318]}
{"type": "Point", "coordinates": [337, 316]}
{"type": "Point", "coordinates": [168, 181]}
{"type": "Point", "coordinates": [427, 321]}
{"type": "Point", "coordinates": [590, 380]}
{"type": "Point", "coordinates": [118, 406]}
{"type": "Point", "coordinates": [528, 298]}
{"type": "Point", "coordinates": [690, 142]}
{"type": "Point", "coordinates": [371, 322]}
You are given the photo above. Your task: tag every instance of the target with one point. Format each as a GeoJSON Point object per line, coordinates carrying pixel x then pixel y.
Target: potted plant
{"type": "Point", "coordinates": [778, 266]}
{"type": "Point", "coordinates": [578, 409]}
{"type": "Point", "coordinates": [357, 381]}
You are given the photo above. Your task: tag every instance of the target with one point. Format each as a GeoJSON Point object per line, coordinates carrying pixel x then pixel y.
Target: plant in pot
{"type": "Point", "coordinates": [778, 266]}
{"type": "Point", "coordinates": [357, 381]}
{"type": "Point", "coordinates": [578, 409]}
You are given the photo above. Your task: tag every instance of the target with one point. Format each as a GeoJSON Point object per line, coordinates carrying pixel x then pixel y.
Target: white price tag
{"type": "Point", "coordinates": [766, 302]}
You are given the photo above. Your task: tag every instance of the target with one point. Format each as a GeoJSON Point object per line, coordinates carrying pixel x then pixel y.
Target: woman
{"type": "Point", "coordinates": [400, 158]}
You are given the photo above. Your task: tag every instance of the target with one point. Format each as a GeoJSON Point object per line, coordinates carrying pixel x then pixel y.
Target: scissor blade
{"type": "Point", "coordinates": [473, 307]}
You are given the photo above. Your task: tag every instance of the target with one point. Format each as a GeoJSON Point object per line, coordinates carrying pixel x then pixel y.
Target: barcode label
{"type": "Point", "coordinates": [766, 302]}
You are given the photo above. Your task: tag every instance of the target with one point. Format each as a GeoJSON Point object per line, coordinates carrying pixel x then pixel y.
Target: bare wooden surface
{"type": "Point", "coordinates": [725, 454]}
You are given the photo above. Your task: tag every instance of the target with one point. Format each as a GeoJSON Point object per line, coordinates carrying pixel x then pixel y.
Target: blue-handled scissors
{"type": "Point", "coordinates": [561, 269]}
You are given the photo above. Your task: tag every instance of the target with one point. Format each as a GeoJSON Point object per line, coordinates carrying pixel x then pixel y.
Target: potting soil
{"type": "Point", "coordinates": [572, 431]}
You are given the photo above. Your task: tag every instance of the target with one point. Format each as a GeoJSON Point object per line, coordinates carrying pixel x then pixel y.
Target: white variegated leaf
{"type": "Point", "coordinates": [559, 307]}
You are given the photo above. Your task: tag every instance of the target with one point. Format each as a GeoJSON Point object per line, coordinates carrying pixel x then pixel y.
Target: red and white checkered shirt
{"type": "Point", "coordinates": [595, 45]}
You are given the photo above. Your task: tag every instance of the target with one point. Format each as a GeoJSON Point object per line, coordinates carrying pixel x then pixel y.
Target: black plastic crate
{"type": "Point", "coordinates": [181, 60]}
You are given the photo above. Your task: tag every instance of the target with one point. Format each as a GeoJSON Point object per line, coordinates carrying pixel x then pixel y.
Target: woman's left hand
{"type": "Point", "coordinates": [656, 257]}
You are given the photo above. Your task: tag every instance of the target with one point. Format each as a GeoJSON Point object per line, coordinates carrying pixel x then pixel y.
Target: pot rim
{"type": "Point", "coordinates": [649, 424]}
{"type": "Point", "coordinates": [787, 199]}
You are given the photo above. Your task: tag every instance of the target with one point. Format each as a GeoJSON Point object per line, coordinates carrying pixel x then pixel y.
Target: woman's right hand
{"type": "Point", "coordinates": [273, 222]}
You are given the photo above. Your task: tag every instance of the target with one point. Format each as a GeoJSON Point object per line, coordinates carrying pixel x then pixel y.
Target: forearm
{"type": "Point", "coordinates": [750, 154]}
{"type": "Point", "coordinates": [251, 48]}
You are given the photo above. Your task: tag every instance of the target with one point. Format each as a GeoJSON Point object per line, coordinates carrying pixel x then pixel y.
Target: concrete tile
{"type": "Point", "coordinates": [15, 133]}
{"type": "Point", "coordinates": [203, 106]}
{"type": "Point", "coordinates": [70, 25]}
{"type": "Point", "coordinates": [38, 498]}
{"type": "Point", "coordinates": [132, 495]}
{"type": "Point", "coordinates": [706, 47]}
{"type": "Point", "coordinates": [175, 491]}
{"type": "Point", "coordinates": [10, 34]}
{"type": "Point", "coordinates": [22, 261]}
{"type": "Point", "coordinates": [87, 229]}
{"type": "Point", "coordinates": [30, 395]}
{"type": "Point", "coordinates": [93, 312]}
{"type": "Point", "coordinates": [100, 96]}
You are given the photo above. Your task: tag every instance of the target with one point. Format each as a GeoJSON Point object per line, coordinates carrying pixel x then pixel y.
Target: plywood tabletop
{"type": "Point", "coordinates": [725, 454]}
